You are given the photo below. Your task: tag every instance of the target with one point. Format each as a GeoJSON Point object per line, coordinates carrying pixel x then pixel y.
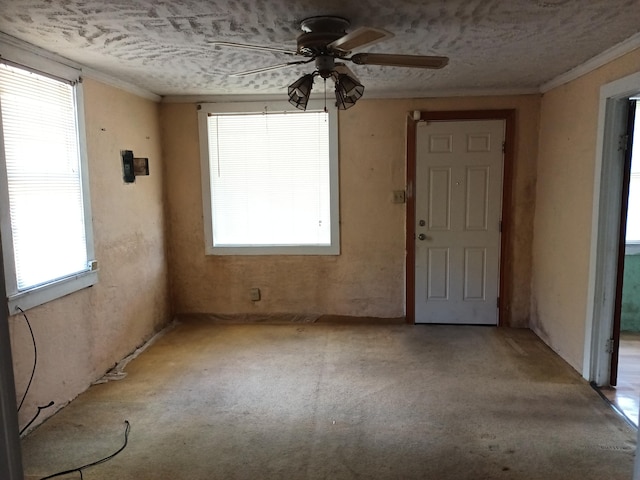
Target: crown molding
{"type": "Point", "coordinates": [16, 50]}
{"type": "Point", "coordinates": [15, 43]}
{"type": "Point", "coordinates": [457, 92]}
{"type": "Point", "coordinates": [231, 98]}
{"type": "Point", "coordinates": [498, 92]}
{"type": "Point", "coordinates": [120, 84]}
{"type": "Point", "coordinates": [31, 57]}
{"type": "Point", "coordinates": [592, 64]}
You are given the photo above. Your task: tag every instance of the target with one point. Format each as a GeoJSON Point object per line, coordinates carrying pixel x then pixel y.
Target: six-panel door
{"type": "Point", "coordinates": [459, 166]}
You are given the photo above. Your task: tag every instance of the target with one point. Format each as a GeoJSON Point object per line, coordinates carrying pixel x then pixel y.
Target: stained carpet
{"type": "Point", "coordinates": [339, 401]}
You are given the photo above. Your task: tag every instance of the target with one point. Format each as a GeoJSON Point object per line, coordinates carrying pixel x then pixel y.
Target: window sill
{"type": "Point", "coordinates": [276, 250]}
{"type": "Point", "coordinates": [51, 291]}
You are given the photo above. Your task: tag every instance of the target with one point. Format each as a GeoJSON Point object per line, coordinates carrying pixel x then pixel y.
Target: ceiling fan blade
{"type": "Point", "coordinates": [413, 61]}
{"type": "Point", "coordinates": [266, 69]}
{"type": "Point", "coordinates": [342, 68]}
{"type": "Point", "coordinates": [359, 38]}
{"type": "Point", "coordinates": [253, 47]}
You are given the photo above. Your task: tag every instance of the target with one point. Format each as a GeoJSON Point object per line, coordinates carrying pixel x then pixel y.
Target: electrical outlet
{"type": "Point", "coordinates": [254, 294]}
{"type": "Point", "coordinates": [399, 196]}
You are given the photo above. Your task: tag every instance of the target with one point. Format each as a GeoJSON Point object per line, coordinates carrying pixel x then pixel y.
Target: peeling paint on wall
{"type": "Point", "coordinates": [368, 277]}
{"type": "Point", "coordinates": [82, 335]}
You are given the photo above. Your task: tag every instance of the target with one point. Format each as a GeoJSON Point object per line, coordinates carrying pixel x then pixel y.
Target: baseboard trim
{"type": "Point", "coordinates": [287, 318]}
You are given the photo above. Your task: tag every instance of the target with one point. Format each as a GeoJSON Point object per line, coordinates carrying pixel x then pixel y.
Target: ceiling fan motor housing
{"type": "Point", "coordinates": [318, 33]}
{"type": "Point", "coordinates": [325, 65]}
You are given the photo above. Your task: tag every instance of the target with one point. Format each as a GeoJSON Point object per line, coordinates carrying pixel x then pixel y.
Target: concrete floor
{"type": "Point", "coordinates": [339, 401]}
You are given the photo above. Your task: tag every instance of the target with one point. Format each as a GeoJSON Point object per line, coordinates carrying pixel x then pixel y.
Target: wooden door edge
{"type": "Point", "coordinates": [410, 283]}
{"type": "Point", "coordinates": [624, 211]}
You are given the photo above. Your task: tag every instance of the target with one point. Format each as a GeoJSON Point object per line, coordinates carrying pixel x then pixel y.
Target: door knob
{"type": "Point", "coordinates": [422, 236]}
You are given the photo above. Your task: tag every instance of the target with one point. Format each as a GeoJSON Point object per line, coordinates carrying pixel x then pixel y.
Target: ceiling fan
{"type": "Point", "coordinates": [325, 41]}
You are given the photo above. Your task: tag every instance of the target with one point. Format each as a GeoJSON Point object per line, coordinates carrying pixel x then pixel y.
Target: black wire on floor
{"type": "Point", "coordinates": [98, 462]}
{"type": "Point", "coordinates": [35, 359]}
{"type": "Point", "coordinates": [36, 416]}
{"type": "Point", "coordinates": [33, 371]}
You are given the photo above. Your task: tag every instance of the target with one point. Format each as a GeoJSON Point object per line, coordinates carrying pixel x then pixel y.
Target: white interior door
{"type": "Point", "coordinates": [458, 193]}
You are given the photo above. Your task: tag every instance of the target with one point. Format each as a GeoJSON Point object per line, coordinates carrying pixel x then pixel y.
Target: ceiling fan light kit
{"type": "Point", "coordinates": [300, 91]}
{"type": "Point", "coordinates": [351, 87]}
{"type": "Point", "coordinates": [348, 91]}
{"type": "Point", "coordinates": [324, 39]}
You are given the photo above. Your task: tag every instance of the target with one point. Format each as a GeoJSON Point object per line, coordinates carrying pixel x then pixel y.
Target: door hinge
{"type": "Point", "coordinates": [623, 143]}
{"type": "Point", "coordinates": [504, 147]}
{"type": "Point", "coordinates": [498, 302]}
{"type": "Point", "coordinates": [608, 347]}
{"type": "Point", "coordinates": [500, 226]}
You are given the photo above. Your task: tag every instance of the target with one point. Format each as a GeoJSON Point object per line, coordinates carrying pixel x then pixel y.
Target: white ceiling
{"type": "Point", "coordinates": [163, 45]}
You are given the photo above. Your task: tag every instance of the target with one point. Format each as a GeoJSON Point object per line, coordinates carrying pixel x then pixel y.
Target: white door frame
{"type": "Point", "coordinates": [605, 226]}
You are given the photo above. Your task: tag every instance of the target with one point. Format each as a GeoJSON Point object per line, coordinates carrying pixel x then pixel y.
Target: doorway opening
{"type": "Point", "coordinates": [624, 380]}
{"type": "Point", "coordinates": [614, 193]}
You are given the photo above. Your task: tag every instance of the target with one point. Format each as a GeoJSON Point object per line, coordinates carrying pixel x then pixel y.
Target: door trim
{"type": "Point", "coordinates": [605, 226]}
{"type": "Point", "coordinates": [506, 240]}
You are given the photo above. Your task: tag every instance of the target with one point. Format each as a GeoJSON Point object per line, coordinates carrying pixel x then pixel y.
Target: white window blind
{"type": "Point", "coordinates": [44, 182]}
{"type": "Point", "coordinates": [270, 179]}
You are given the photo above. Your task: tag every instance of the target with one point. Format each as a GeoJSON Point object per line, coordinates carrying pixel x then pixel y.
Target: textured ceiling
{"type": "Point", "coordinates": [164, 45]}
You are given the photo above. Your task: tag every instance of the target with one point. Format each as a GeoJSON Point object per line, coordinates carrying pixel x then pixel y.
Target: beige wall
{"type": "Point", "coordinates": [564, 203]}
{"type": "Point", "coordinates": [367, 279]}
{"type": "Point", "coordinates": [82, 335]}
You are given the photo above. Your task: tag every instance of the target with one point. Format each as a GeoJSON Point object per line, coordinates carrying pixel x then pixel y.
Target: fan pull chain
{"type": "Point", "coordinates": [325, 96]}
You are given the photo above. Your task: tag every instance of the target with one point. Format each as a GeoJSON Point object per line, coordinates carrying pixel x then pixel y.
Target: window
{"type": "Point", "coordinates": [45, 221]}
{"type": "Point", "coordinates": [270, 179]}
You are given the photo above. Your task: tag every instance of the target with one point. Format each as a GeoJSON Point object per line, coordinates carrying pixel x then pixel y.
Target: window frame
{"type": "Point", "coordinates": [204, 110]}
{"type": "Point", "coordinates": [40, 294]}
